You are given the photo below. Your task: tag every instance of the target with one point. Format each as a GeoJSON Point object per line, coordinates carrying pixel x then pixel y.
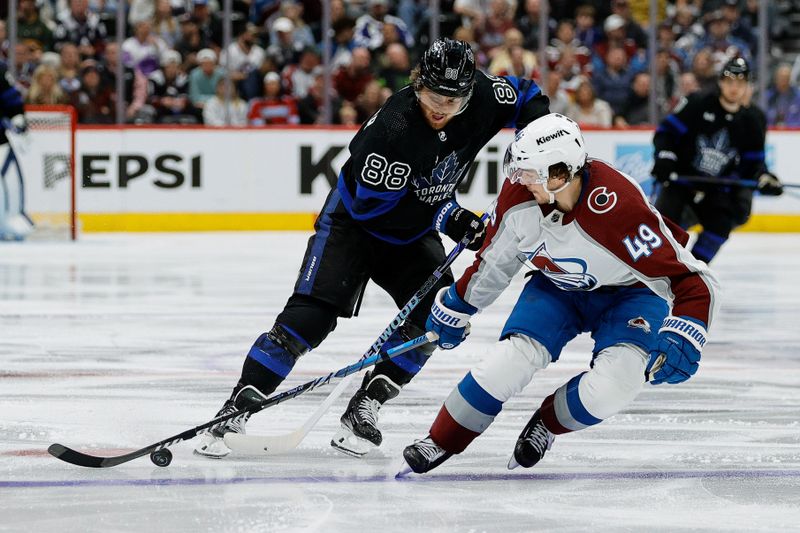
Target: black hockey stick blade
{"type": "Point", "coordinates": [75, 457]}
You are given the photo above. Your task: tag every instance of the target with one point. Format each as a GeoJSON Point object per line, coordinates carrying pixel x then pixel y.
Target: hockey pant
{"type": "Point", "coordinates": [614, 380]}
{"type": "Point", "coordinates": [12, 196]}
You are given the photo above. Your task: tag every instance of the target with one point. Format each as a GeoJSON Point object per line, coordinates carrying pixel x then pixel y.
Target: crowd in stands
{"type": "Point", "coordinates": [174, 62]}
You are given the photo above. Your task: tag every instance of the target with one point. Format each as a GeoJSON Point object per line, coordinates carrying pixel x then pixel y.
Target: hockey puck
{"type": "Point", "coordinates": [161, 457]}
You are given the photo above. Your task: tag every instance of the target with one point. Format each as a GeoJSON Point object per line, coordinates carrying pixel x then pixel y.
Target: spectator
{"type": "Point", "coordinates": [30, 26]}
{"type": "Point", "coordinates": [719, 41]}
{"type": "Point", "coordinates": [528, 24]}
{"type": "Point", "coordinates": [142, 51]}
{"type": "Point", "coordinates": [502, 62]}
{"type": "Point", "coordinates": [635, 111]}
{"type": "Point", "coordinates": [165, 25]}
{"type": "Point", "coordinates": [190, 42]}
{"type": "Point", "coordinates": [68, 75]}
{"type": "Point", "coordinates": [499, 19]}
{"type": "Point", "coordinates": [586, 31]}
{"type": "Point", "coordinates": [45, 89]}
{"type": "Point", "coordinates": [667, 73]}
{"type": "Point", "coordinates": [348, 116]}
{"type": "Point", "coordinates": [298, 78]}
{"type": "Point", "coordinates": [282, 48]}
{"type": "Point", "coordinates": [397, 74]}
{"type": "Point", "coordinates": [310, 107]}
{"type": "Point", "coordinates": [168, 91]}
{"type": "Point", "coordinates": [302, 36]}
{"type": "Point", "coordinates": [243, 55]}
{"type": "Point", "coordinates": [633, 30]}
{"type": "Point", "coordinates": [274, 108]}
{"type": "Point", "coordinates": [559, 99]}
{"type": "Point", "coordinates": [615, 29]}
{"type": "Point", "coordinates": [203, 80]}
{"type": "Point", "coordinates": [351, 80]}
{"type": "Point", "coordinates": [369, 26]}
{"type": "Point", "coordinates": [94, 102]}
{"type": "Point", "coordinates": [224, 111]}
{"type": "Point", "coordinates": [572, 74]}
{"type": "Point", "coordinates": [704, 71]}
{"type": "Point", "coordinates": [81, 28]}
{"type": "Point", "coordinates": [588, 110]}
{"type": "Point", "coordinates": [612, 81]}
{"type": "Point", "coordinates": [783, 100]}
{"type": "Point", "coordinates": [343, 42]}
{"type": "Point", "coordinates": [201, 14]}
{"type": "Point", "coordinates": [108, 75]}
{"type": "Point", "coordinates": [369, 101]}
{"type": "Point", "coordinates": [140, 11]}
{"type": "Point", "coordinates": [687, 84]}
{"type": "Point", "coordinates": [741, 28]}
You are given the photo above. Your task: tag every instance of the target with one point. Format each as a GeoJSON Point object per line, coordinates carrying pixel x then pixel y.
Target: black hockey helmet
{"type": "Point", "coordinates": [737, 68]}
{"type": "Point", "coordinates": [448, 68]}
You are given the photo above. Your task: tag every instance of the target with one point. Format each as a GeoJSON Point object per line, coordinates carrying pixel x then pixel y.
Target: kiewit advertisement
{"type": "Point", "coordinates": [206, 179]}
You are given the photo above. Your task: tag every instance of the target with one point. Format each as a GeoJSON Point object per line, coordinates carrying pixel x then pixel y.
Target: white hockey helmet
{"type": "Point", "coordinates": [547, 141]}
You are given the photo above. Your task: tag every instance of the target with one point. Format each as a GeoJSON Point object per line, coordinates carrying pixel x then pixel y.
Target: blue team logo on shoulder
{"type": "Point", "coordinates": [568, 273]}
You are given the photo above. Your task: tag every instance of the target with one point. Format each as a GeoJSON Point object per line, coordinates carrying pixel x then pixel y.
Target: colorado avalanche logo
{"type": "Point", "coordinates": [567, 273]}
{"type": "Point", "coordinates": [641, 323]}
{"type": "Point", "coordinates": [601, 201]}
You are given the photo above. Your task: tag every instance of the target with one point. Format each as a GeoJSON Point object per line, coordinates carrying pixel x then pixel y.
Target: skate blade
{"type": "Point", "coordinates": [405, 471]}
{"type": "Point", "coordinates": [512, 463]}
{"type": "Point", "coordinates": [211, 447]}
{"type": "Point", "coordinates": [345, 442]}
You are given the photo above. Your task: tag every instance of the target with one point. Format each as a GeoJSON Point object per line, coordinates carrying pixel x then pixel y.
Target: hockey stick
{"type": "Point", "coordinates": [161, 456]}
{"type": "Point", "coordinates": [748, 184]}
{"type": "Point", "coordinates": [274, 444]}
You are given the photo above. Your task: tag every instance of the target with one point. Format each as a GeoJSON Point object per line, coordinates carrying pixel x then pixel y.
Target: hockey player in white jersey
{"type": "Point", "coordinates": [605, 262]}
{"type": "Point", "coordinates": [14, 223]}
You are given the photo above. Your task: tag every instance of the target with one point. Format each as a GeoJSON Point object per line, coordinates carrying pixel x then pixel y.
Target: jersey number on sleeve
{"type": "Point", "coordinates": [642, 244]}
{"type": "Point", "coordinates": [377, 171]}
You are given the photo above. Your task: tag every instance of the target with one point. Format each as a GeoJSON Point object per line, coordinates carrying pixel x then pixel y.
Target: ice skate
{"type": "Point", "coordinates": [359, 432]}
{"type": "Point", "coordinates": [532, 443]}
{"type": "Point", "coordinates": [423, 456]}
{"type": "Point", "coordinates": [211, 443]}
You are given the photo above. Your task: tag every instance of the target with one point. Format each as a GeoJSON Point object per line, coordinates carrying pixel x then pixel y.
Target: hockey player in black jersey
{"type": "Point", "coordinates": [14, 223]}
{"type": "Point", "coordinates": [712, 135]}
{"type": "Point", "coordinates": [395, 194]}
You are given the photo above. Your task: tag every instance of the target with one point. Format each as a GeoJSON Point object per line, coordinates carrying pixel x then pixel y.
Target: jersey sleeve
{"type": "Point", "coordinates": [518, 101]}
{"type": "Point", "coordinates": [677, 124]}
{"type": "Point", "coordinates": [634, 232]}
{"type": "Point", "coordinates": [378, 172]}
{"type": "Point", "coordinates": [752, 152]}
{"type": "Point", "coordinates": [496, 262]}
{"type": "Point", "coordinates": [10, 99]}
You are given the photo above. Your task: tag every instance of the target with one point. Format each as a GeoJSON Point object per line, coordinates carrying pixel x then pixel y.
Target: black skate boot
{"type": "Point", "coordinates": [532, 443]}
{"type": "Point", "coordinates": [210, 443]}
{"type": "Point", "coordinates": [359, 432]}
{"type": "Point", "coordinates": [423, 456]}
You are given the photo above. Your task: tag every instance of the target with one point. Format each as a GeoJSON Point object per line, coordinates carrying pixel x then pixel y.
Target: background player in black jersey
{"type": "Point", "coordinates": [395, 194]}
{"type": "Point", "coordinates": [14, 223]}
{"type": "Point", "coordinates": [712, 135]}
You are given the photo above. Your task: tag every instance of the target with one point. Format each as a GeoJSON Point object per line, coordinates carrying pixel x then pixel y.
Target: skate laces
{"type": "Point", "coordinates": [428, 449]}
{"type": "Point", "coordinates": [234, 425]}
{"type": "Point", "coordinates": [368, 410]}
{"type": "Point", "coordinates": [540, 437]}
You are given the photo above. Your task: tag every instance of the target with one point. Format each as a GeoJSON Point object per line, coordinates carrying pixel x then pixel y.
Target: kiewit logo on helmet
{"type": "Point", "coordinates": [547, 138]}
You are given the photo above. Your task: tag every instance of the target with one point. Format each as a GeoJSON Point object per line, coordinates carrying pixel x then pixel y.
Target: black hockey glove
{"type": "Point", "coordinates": [664, 167]}
{"type": "Point", "coordinates": [769, 185]}
{"type": "Point", "coordinates": [457, 223]}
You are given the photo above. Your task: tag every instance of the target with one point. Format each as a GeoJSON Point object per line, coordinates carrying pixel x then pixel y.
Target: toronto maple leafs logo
{"type": "Point", "coordinates": [442, 182]}
{"type": "Point", "coordinates": [714, 152]}
{"type": "Point", "coordinates": [567, 273]}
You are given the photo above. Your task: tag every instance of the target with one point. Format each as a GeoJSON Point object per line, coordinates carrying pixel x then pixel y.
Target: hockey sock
{"type": "Point", "coordinates": [707, 245]}
{"type": "Point", "coordinates": [271, 358]}
{"type": "Point", "coordinates": [466, 413]}
{"type": "Point", "coordinates": [563, 411]}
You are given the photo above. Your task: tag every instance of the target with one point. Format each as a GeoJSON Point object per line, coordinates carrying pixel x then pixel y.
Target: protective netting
{"type": "Point", "coordinates": [46, 158]}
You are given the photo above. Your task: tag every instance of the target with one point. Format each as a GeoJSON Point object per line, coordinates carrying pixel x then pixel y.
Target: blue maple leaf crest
{"type": "Point", "coordinates": [714, 152]}
{"type": "Point", "coordinates": [447, 171]}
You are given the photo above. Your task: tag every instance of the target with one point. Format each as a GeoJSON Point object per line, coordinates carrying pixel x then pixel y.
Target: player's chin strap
{"type": "Point", "coordinates": [552, 194]}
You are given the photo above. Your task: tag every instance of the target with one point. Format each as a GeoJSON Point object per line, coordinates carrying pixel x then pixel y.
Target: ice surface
{"type": "Point", "coordinates": [119, 341]}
